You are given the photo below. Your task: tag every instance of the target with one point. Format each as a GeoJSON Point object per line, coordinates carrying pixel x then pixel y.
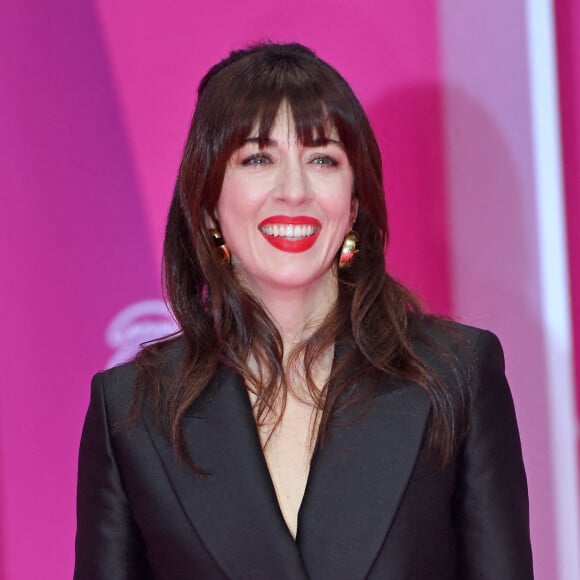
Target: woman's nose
{"type": "Point", "coordinates": [293, 184]}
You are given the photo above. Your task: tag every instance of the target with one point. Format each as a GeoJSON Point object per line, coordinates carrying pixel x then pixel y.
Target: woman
{"type": "Point", "coordinates": [309, 421]}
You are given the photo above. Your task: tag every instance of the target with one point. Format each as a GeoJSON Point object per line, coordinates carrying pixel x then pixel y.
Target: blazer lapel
{"type": "Point", "coordinates": [233, 509]}
{"type": "Point", "coordinates": [357, 480]}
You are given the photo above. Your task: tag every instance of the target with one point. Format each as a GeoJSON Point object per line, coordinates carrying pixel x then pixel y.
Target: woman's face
{"type": "Point", "coordinates": [284, 209]}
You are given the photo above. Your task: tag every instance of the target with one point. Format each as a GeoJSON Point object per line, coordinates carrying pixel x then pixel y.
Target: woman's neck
{"type": "Point", "coordinates": [298, 311]}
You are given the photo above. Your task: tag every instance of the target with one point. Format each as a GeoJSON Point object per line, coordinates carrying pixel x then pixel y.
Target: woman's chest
{"type": "Point", "coordinates": [288, 453]}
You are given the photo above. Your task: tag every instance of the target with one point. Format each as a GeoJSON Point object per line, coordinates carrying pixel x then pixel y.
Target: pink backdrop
{"type": "Point", "coordinates": [95, 99]}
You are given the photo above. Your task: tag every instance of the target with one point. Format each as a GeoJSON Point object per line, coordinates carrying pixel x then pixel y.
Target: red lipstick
{"type": "Point", "coordinates": [298, 240]}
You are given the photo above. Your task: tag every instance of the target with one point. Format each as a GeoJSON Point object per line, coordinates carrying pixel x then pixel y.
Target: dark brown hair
{"type": "Point", "coordinates": [375, 320]}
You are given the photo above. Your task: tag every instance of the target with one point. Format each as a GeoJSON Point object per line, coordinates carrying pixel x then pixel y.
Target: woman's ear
{"type": "Point", "coordinates": [353, 211]}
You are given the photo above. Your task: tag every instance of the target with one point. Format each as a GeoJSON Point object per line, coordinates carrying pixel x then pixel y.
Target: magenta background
{"type": "Point", "coordinates": [95, 99]}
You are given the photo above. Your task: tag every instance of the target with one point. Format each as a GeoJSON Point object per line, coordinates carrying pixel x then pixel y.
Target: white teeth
{"type": "Point", "coordinates": [288, 230]}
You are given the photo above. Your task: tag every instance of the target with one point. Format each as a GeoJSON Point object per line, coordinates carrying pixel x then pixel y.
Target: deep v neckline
{"type": "Point", "coordinates": [277, 472]}
{"type": "Point", "coordinates": [288, 454]}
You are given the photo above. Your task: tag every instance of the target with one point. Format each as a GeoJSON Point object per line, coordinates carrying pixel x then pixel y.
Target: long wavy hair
{"type": "Point", "coordinates": [375, 320]}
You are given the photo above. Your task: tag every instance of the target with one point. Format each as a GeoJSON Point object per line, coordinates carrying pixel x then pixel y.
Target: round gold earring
{"type": "Point", "coordinates": [220, 244]}
{"type": "Point", "coordinates": [348, 251]}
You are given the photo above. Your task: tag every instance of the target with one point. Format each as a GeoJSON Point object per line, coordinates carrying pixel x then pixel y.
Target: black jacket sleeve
{"type": "Point", "coordinates": [491, 506]}
{"type": "Point", "coordinates": [108, 542]}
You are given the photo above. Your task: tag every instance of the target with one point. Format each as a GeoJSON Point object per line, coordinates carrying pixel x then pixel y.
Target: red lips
{"type": "Point", "coordinates": [291, 244]}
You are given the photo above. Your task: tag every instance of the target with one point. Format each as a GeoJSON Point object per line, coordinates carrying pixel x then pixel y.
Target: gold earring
{"type": "Point", "coordinates": [348, 250]}
{"type": "Point", "coordinates": [220, 244]}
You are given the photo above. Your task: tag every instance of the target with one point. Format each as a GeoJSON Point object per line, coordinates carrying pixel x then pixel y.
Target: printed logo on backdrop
{"type": "Point", "coordinates": [135, 324]}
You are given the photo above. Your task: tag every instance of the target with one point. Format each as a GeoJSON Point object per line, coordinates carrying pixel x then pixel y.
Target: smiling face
{"type": "Point", "coordinates": [285, 208]}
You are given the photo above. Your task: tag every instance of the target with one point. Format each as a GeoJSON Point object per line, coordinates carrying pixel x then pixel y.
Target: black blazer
{"type": "Point", "coordinates": [376, 506]}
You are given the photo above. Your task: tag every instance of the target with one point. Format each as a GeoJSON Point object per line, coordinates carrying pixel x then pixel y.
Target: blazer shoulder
{"type": "Point", "coordinates": [464, 359]}
{"type": "Point", "coordinates": [451, 333]}
{"type": "Point", "coordinates": [117, 384]}
{"type": "Point", "coordinates": [446, 344]}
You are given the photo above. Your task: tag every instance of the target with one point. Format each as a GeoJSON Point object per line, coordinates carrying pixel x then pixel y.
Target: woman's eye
{"type": "Point", "coordinates": [256, 159]}
{"type": "Point", "coordinates": [325, 161]}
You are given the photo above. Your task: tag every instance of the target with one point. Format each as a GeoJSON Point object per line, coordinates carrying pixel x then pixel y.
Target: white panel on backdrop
{"type": "Point", "coordinates": [554, 280]}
